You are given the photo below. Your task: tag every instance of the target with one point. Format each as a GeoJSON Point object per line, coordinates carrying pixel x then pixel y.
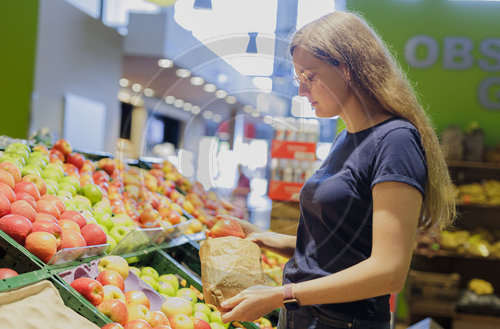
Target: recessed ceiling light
{"type": "Point", "coordinates": [248, 109]}
{"type": "Point", "coordinates": [256, 113]}
{"type": "Point", "coordinates": [149, 92]}
{"type": "Point", "coordinates": [195, 109]}
{"type": "Point", "coordinates": [231, 100]}
{"type": "Point", "coordinates": [197, 81]}
{"type": "Point", "coordinates": [207, 114]}
{"type": "Point", "coordinates": [183, 73]}
{"type": "Point", "coordinates": [123, 82]}
{"type": "Point", "coordinates": [221, 93]}
{"type": "Point", "coordinates": [165, 63]}
{"type": "Point", "coordinates": [170, 99]}
{"type": "Point", "coordinates": [178, 103]}
{"type": "Point", "coordinates": [217, 118]}
{"type": "Point", "coordinates": [187, 106]}
{"type": "Point", "coordinates": [137, 100]}
{"type": "Point", "coordinates": [209, 87]}
{"type": "Point", "coordinates": [136, 87]}
{"type": "Point", "coordinates": [123, 96]}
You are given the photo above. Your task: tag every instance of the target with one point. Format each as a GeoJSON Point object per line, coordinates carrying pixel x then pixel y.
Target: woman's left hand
{"type": "Point", "coordinates": [252, 303]}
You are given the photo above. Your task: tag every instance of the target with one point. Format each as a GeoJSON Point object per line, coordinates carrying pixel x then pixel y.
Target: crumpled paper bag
{"type": "Point", "coordinates": [229, 265]}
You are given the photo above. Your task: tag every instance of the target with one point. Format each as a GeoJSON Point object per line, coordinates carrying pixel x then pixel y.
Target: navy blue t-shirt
{"type": "Point", "coordinates": [335, 226]}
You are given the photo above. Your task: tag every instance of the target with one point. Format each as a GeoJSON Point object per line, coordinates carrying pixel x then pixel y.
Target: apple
{"type": "Point", "coordinates": [119, 232]}
{"type": "Point", "coordinates": [157, 318]}
{"type": "Point", "coordinates": [188, 294]}
{"type": "Point", "coordinates": [173, 217]}
{"type": "Point", "coordinates": [12, 169]}
{"type": "Point", "coordinates": [26, 197]}
{"type": "Point", "coordinates": [49, 227]}
{"type": "Point", "coordinates": [18, 149]}
{"type": "Point", "coordinates": [165, 288]}
{"type": "Point", "coordinates": [72, 180]}
{"type": "Point", "coordinates": [15, 159]}
{"type": "Point", "coordinates": [90, 289]}
{"type": "Point", "coordinates": [38, 181]}
{"type": "Point", "coordinates": [215, 317]}
{"type": "Point", "coordinates": [147, 270]}
{"type": "Point", "coordinates": [47, 207]}
{"type": "Point", "coordinates": [201, 316]}
{"type": "Point", "coordinates": [136, 297]}
{"type": "Point", "coordinates": [110, 277]}
{"type": "Point", "coordinates": [115, 310]}
{"type": "Point", "coordinates": [115, 263]}
{"type": "Point", "coordinates": [106, 164]}
{"type": "Point", "coordinates": [72, 239]}
{"type": "Point", "coordinates": [181, 321]}
{"type": "Point", "coordinates": [67, 224]}
{"type": "Point", "coordinates": [113, 325]}
{"type": "Point", "coordinates": [217, 325]}
{"type": "Point", "coordinates": [55, 201]}
{"type": "Point", "coordinates": [150, 280]}
{"type": "Point", "coordinates": [6, 177]}
{"type": "Point", "coordinates": [5, 206]}
{"type": "Point", "coordinates": [15, 226]}
{"type": "Point", "coordinates": [112, 292]}
{"type": "Point", "coordinates": [135, 270]}
{"type": "Point", "coordinates": [201, 324]}
{"type": "Point", "coordinates": [6, 273]}
{"type": "Point", "coordinates": [75, 159]}
{"type": "Point", "coordinates": [203, 308]}
{"type": "Point", "coordinates": [137, 324]}
{"type": "Point", "coordinates": [74, 216]}
{"type": "Point", "coordinates": [56, 155]}
{"type": "Point", "coordinates": [43, 216]}
{"type": "Point", "coordinates": [226, 227]}
{"type": "Point", "coordinates": [112, 243]}
{"type": "Point", "coordinates": [93, 235]}
{"type": "Point", "coordinates": [27, 187]}
{"type": "Point", "coordinates": [41, 244]}
{"type": "Point", "coordinates": [92, 192]}
{"type": "Point", "coordinates": [138, 312]}
{"type": "Point", "coordinates": [162, 327]}
{"type": "Point", "coordinates": [104, 219]}
{"type": "Point", "coordinates": [63, 146]}
{"type": "Point", "coordinates": [176, 305]}
{"type": "Point", "coordinates": [65, 186]}
{"type": "Point", "coordinates": [170, 278]}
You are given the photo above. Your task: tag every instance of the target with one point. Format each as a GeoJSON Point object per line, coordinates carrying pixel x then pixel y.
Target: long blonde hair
{"type": "Point", "coordinates": [377, 79]}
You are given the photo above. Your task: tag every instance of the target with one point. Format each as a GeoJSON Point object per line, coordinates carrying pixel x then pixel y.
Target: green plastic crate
{"type": "Point", "coordinates": [11, 247]}
{"type": "Point", "coordinates": [187, 254]}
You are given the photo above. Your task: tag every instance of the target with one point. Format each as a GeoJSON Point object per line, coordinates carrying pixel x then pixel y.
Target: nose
{"type": "Point", "coordinates": [303, 90]}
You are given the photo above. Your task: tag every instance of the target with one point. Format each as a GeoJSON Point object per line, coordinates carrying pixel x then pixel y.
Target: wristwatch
{"type": "Point", "coordinates": [289, 300]}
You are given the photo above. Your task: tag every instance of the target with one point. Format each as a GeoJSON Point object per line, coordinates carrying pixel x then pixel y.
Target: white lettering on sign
{"type": "Point", "coordinates": [484, 92]}
{"type": "Point", "coordinates": [430, 45]}
{"type": "Point", "coordinates": [457, 53]}
{"type": "Point", "coordinates": [490, 48]}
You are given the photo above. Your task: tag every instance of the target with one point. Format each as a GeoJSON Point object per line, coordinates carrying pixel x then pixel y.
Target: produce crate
{"type": "Point", "coordinates": [429, 285]}
{"type": "Point", "coordinates": [187, 254]}
{"type": "Point", "coordinates": [25, 259]}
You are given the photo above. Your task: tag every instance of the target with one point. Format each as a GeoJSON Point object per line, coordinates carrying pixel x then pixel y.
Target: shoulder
{"type": "Point", "coordinates": [397, 131]}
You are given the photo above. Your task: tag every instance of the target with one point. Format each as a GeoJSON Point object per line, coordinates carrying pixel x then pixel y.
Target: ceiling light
{"type": "Point", "coordinates": [183, 73]}
{"type": "Point", "coordinates": [256, 113]}
{"type": "Point", "coordinates": [248, 109]}
{"type": "Point", "coordinates": [231, 100]}
{"type": "Point", "coordinates": [195, 109]}
{"type": "Point", "coordinates": [217, 118]}
{"type": "Point", "coordinates": [149, 92]}
{"type": "Point", "coordinates": [209, 87]}
{"type": "Point", "coordinates": [123, 82]}
{"type": "Point", "coordinates": [170, 99]}
{"type": "Point", "coordinates": [165, 63]}
{"type": "Point", "coordinates": [220, 93]}
{"type": "Point", "coordinates": [187, 106]}
{"type": "Point", "coordinates": [123, 96]}
{"type": "Point", "coordinates": [197, 81]}
{"type": "Point", "coordinates": [207, 114]}
{"type": "Point", "coordinates": [137, 100]}
{"type": "Point", "coordinates": [268, 119]}
{"type": "Point", "coordinates": [136, 87]}
{"type": "Point", "coordinates": [178, 103]}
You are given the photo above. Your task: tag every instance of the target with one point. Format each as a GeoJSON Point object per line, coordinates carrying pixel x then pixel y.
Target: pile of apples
{"type": "Point", "coordinates": [6, 273]}
{"type": "Point", "coordinates": [273, 265]}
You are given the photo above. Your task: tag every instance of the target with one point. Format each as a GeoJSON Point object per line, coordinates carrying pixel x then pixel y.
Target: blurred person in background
{"type": "Point", "coordinates": [239, 195]}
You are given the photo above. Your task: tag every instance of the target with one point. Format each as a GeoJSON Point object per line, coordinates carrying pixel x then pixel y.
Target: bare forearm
{"type": "Point", "coordinates": [280, 244]}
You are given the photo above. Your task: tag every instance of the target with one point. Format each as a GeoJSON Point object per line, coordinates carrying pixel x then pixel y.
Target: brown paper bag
{"type": "Point", "coordinates": [228, 266]}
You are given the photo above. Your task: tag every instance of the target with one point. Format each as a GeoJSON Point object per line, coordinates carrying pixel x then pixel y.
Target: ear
{"type": "Point", "coordinates": [345, 69]}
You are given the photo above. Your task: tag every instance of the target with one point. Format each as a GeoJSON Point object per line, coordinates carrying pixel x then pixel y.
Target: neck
{"type": "Point", "coordinates": [359, 116]}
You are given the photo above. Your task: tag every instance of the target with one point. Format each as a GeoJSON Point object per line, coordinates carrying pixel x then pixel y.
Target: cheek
{"type": "Point", "coordinates": [330, 96]}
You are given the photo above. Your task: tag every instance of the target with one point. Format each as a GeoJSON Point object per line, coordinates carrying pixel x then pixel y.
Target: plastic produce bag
{"type": "Point", "coordinates": [229, 265]}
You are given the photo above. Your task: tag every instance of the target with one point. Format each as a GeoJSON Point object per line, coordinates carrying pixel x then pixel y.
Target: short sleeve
{"type": "Point", "coordinates": [400, 157]}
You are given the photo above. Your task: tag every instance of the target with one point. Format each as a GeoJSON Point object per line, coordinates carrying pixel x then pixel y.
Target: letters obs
{"type": "Point", "coordinates": [458, 55]}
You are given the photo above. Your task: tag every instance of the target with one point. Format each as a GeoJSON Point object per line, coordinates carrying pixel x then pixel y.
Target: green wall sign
{"type": "Point", "coordinates": [450, 50]}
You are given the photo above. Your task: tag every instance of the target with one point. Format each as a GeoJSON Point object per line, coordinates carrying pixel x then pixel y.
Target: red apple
{"type": "Point", "coordinates": [113, 292]}
{"type": "Point", "coordinates": [71, 169]}
{"type": "Point", "coordinates": [201, 324]}
{"type": "Point", "coordinates": [149, 215]}
{"type": "Point", "coordinates": [49, 227]}
{"type": "Point", "coordinates": [6, 273]}
{"type": "Point", "coordinates": [106, 164]}
{"type": "Point", "coordinates": [173, 217]}
{"type": "Point", "coordinates": [27, 187]}
{"type": "Point", "coordinates": [63, 146]}
{"type": "Point", "coordinates": [26, 197]}
{"type": "Point", "coordinates": [44, 216]}
{"type": "Point", "coordinates": [110, 277]}
{"type": "Point", "coordinates": [162, 327]}
{"type": "Point", "coordinates": [113, 325]}
{"type": "Point", "coordinates": [114, 309]}
{"type": "Point", "coordinates": [6, 177]}
{"type": "Point", "coordinates": [12, 169]}
{"type": "Point", "coordinates": [93, 234]}
{"type": "Point", "coordinates": [137, 324]}
{"type": "Point", "coordinates": [158, 318]}
{"type": "Point", "coordinates": [41, 148]}
{"type": "Point", "coordinates": [56, 201]}
{"type": "Point", "coordinates": [75, 159]}
{"type": "Point", "coordinates": [181, 321]}
{"type": "Point", "coordinates": [226, 227]}
{"type": "Point", "coordinates": [136, 297]}
{"type": "Point", "coordinates": [47, 207]}
{"type": "Point", "coordinates": [74, 216]}
{"type": "Point", "coordinates": [56, 155]}
{"type": "Point", "coordinates": [38, 181]}
{"type": "Point", "coordinates": [15, 226]}
{"type": "Point", "coordinates": [72, 239]}
{"type": "Point", "coordinates": [88, 166]}
{"type": "Point", "coordinates": [176, 305]}
{"type": "Point", "coordinates": [23, 208]}
{"type": "Point", "coordinates": [41, 244]}
{"type": "Point", "coordinates": [90, 289]}
{"type": "Point", "coordinates": [5, 206]}
{"type": "Point", "coordinates": [8, 192]}
{"type": "Point", "coordinates": [67, 224]}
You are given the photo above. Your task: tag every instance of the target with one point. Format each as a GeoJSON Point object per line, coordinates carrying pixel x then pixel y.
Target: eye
{"type": "Point", "coordinates": [311, 77]}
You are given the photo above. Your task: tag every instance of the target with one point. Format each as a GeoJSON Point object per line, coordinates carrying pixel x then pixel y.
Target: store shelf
{"type": "Point", "coordinates": [473, 165]}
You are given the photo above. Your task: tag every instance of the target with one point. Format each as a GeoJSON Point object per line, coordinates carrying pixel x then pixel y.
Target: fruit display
{"type": "Point", "coordinates": [273, 265]}
{"type": "Point", "coordinates": [486, 193]}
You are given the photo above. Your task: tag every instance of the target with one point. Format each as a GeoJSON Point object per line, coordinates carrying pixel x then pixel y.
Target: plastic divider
{"type": "Point", "coordinates": [136, 240]}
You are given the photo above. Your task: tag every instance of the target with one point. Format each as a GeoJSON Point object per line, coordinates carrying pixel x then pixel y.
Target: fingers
{"type": "Point", "coordinates": [230, 303]}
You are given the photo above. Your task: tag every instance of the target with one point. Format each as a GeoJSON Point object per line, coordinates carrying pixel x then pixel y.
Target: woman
{"type": "Point", "coordinates": [384, 177]}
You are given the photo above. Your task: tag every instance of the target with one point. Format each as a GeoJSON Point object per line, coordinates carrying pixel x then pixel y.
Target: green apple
{"type": "Point", "coordinates": [111, 241]}
{"type": "Point", "coordinates": [39, 155]}
{"type": "Point", "coordinates": [37, 162]}
{"type": "Point", "coordinates": [70, 205]}
{"type": "Point", "coordinates": [135, 270]}
{"type": "Point", "coordinates": [104, 219]}
{"type": "Point", "coordinates": [14, 159]}
{"type": "Point", "coordinates": [203, 308]}
{"type": "Point", "coordinates": [30, 170]}
{"type": "Point", "coordinates": [150, 280]}
{"type": "Point", "coordinates": [67, 187]}
{"type": "Point", "coordinates": [187, 293]}
{"type": "Point", "coordinates": [103, 228]}
{"type": "Point", "coordinates": [215, 317]}
{"type": "Point", "coordinates": [83, 199]}
{"type": "Point", "coordinates": [81, 205]}
{"type": "Point", "coordinates": [92, 192]}
{"type": "Point", "coordinates": [51, 189]}
{"type": "Point", "coordinates": [72, 180]}
{"type": "Point", "coordinates": [50, 181]}
{"type": "Point", "coordinates": [118, 221]}
{"type": "Point", "coordinates": [148, 270]}
{"type": "Point", "coordinates": [65, 195]}
{"type": "Point", "coordinates": [126, 219]}
{"type": "Point", "coordinates": [51, 174]}
{"type": "Point", "coordinates": [201, 316]}
{"type": "Point", "coordinates": [170, 278]}
{"type": "Point", "coordinates": [102, 207]}
{"type": "Point", "coordinates": [19, 149]}
{"type": "Point", "coordinates": [119, 232]}
{"type": "Point", "coordinates": [217, 325]}
{"type": "Point", "coordinates": [57, 168]}
{"type": "Point", "coordinates": [166, 288]}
